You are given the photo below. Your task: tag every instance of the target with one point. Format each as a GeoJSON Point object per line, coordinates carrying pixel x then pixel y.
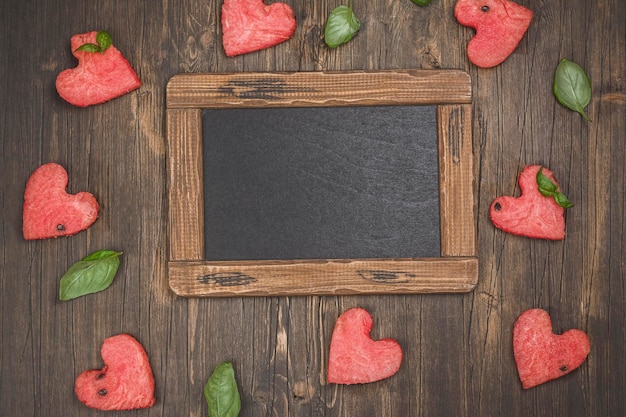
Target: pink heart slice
{"type": "Point", "coordinates": [531, 214]}
{"type": "Point", "coordinates": [49, 211]}
{"type": "Point", "coordinates": [252, 25]}
{"type": "Point", "coordinates": [124, 383]}
{"type": "Point", "coordinates": [354, 358]}
{"type": "Point", "coordinates": [99, 77]}
{"type": "Point", "coordinates": [541, 355]}
{"type": "Point", "coordinates": [499, 24]}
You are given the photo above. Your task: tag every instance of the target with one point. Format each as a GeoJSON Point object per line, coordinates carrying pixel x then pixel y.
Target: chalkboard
{"type": "Point", "coordinates": [333, 182]}
{"type": "Point", "coordinates": [269, 193]}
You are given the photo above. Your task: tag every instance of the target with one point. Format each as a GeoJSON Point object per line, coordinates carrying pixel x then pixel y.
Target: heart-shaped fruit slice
{"type": "Point", "coordinates": [49, 211]}
{"type": "Point", "coordinates": [124, 383]}
{"type": "Point", "coordinates": [541, 355]}
{"type": "Point", "coordinates": [499, 24]}
{"type": "Point", "coordinates": [252, 25]}
{"type": "Point", "coordinates": [99, 76]}
{"type": "Point", "coordinates": [355, 358]}
{"type": "Point", "coordinates": [531, 214]}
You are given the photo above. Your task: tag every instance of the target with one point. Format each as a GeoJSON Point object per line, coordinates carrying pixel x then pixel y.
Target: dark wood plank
{"type": "Point", "coordinates": [322, 277]}
{"type": "Point", "coordinates": [458, 359]}
{"type": "Point", "coordinates": [184, 188]}
{"type": "Point", "coordinates": [318, 89]}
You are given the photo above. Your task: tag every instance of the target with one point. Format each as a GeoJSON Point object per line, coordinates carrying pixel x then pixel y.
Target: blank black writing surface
{"type": "Point", "coordinates": [321, 183]}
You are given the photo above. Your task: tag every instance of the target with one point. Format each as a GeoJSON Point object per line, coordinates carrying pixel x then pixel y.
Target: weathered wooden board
{"type": "Point", "coordinates": [190, 274]}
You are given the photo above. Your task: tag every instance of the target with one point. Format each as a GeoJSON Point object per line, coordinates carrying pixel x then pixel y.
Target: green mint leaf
{"type": "Point", "coordinates": [547, 188]}
{"type": "Point", "coordinates": [88, 47]}
{"type": "Point", "coordinates": [572, 87]}
{"type": "Point", "coordinates": [422, 2]}
{"type": "Point", "coordinates": [221, 393]}
{"type": "Point", "coordinates": [104, 40]}
{"type": "Point", "coordinates": [341, 26]}
{"type": "Point", "coordinates": [91, 274]}
{"type": "Point", "coordinates": [562, 201]}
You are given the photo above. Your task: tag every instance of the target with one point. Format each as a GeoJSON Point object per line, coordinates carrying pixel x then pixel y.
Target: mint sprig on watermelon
{"type": "Point", "coordinates": [548, 188]}
{"type": "Point", "coordinates": [104, 42]}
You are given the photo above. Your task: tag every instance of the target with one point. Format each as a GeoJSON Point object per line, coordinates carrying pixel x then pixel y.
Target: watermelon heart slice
{"type": "Point", "coordinates": [541, 355]}
{"type": "Point", "coordinates": [252, 25]}
{"type": "Point", "coordinates": [124, 383]}
{"type": "Point", "coordinates": [532, 214]}
{"type": "Point", "coordinates": [499, 24]}
{"type": "Point", "coordinates": [49, 211]}
{"type": "Point", "coordinates": [99, 76]}
{"type": "Point", "coordinates": [355, 358]}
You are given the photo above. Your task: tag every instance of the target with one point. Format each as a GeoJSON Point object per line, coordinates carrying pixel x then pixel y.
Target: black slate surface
{"type": "Point", "coordinates": [310, 183]}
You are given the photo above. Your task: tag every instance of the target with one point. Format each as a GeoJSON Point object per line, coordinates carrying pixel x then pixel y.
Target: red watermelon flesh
{"type": "Point", "coordinates": [124, 383]}
{"type": "Point", "coordinates": [499, 24]}
{"type": "Point", "coordinates": [49, 211]}
{"type": "Point", "coordinates": [541, 355]}
{"type": "Point", "coordinates": [252, 25]}
{"type": "Point", "coordinates": [354, 358]}
{"type": "Point", "coordinates": [532, 214]}
{"type": "Point", "coordinates": [99, 77]}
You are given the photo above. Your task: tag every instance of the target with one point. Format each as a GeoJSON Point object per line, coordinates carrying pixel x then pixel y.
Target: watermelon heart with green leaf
{"type": "Point", "coordinates": [499, 24]}
{"type": "Point", "coordinates": [102, 73]}
{"type": "Point", "coordinates": [538, 212]}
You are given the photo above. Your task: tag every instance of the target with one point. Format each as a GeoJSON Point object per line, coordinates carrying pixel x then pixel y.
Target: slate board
{"type": "Point", "coordinates": [321, 183]}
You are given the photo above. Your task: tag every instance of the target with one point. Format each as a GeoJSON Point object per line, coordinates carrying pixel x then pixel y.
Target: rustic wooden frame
{"type": "Point", "coordinates": [190, 275]}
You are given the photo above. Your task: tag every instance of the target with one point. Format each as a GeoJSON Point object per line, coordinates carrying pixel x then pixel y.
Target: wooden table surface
{"type": "Point", "coordinates": [458, 358]}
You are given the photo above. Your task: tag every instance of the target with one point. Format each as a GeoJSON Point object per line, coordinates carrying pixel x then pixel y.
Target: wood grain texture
{"type": "Point", "coordinates": [323, 277]}
{"type": "Point", "coordinates": [457, 180]}
{"type": "Point", "coordinates": [185, 192]}
{"type": "Point", "coordinates": [188, 94]}
{"type": "Point", "coordinates": [457, 347]}
{"type": "Point", "coordinates": [317, 89]}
